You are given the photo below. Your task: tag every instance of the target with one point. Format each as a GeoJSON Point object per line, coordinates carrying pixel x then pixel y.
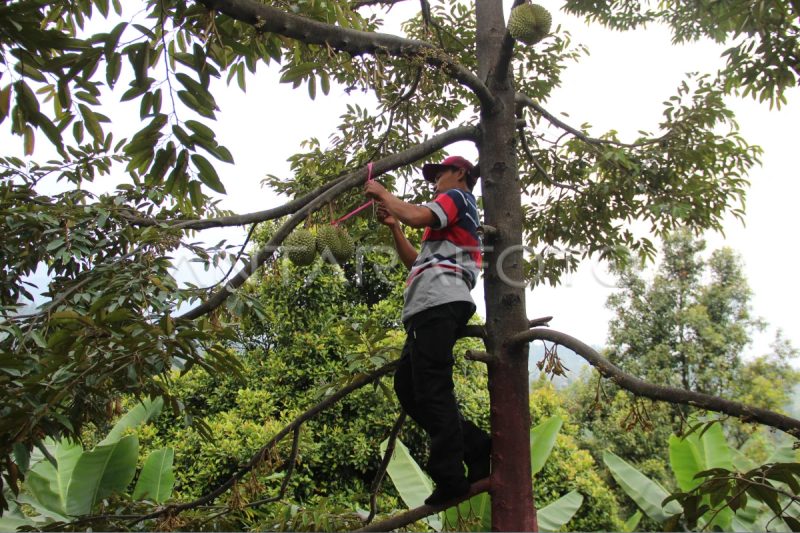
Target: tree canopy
{"type": "Point", "coordinates": [116, 320]}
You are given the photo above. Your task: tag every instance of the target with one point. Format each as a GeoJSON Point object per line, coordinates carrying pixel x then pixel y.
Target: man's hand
{"type": "Point", "coordinates": [373, 189]}
{"type": "Point", "coordinates": [385, 216]}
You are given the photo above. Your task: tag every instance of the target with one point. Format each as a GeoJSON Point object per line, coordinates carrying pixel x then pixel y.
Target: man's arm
{"type": "Point", "coordinates": [406, 251]}
{"type": "Point", "coordinates": [409, 214]}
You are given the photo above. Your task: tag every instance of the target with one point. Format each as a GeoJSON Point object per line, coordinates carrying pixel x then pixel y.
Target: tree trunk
{"type": "Point", "coordinates": [511, 487]}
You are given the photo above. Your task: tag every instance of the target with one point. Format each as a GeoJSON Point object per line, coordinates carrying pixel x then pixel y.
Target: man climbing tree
{"type": "Point", "coordinates": [110, 324]}
{"type": "Point", "coordinates": [437, 307]}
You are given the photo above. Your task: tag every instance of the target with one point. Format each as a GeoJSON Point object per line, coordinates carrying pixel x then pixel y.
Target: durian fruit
{"type": "Point", "coordinates": [338, 241]}
{"type": "Point", "coordinates": [301, 247]}
{"type": "Point", "coordinates": [529, 23]}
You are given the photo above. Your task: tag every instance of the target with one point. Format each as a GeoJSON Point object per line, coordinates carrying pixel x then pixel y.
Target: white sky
{"type": "Point", "coordinates": [620, 86]}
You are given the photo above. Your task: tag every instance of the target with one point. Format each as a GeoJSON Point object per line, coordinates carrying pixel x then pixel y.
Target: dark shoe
{"type": "Point", "coordinates": [480, 468]}
{"type": "Point", "coordinates": [443, 494]}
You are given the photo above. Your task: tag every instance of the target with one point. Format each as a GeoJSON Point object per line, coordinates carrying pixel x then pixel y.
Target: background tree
{"type": "Point", "coordinates": [687, 327]}
{"type": "Point", "coordinates": [110, 324]}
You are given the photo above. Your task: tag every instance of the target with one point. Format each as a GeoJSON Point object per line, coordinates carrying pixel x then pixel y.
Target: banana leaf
{"type": "Point", "coordinates": [156, 478]}
{"type": "Point", "coordinates": [543, 437]}
{"type": "Point", "coordinates": [409, 480]}
{"type": "Point", "coordinates": [647, 494]}
{"type": "Point", "coordinates": [740, 461]}
{"type": "Point", "coordinates": [558, 513]}
{"type": "Point", "coordinates": [632, 522]}
{"type": "Point", "coordinates": [141, 414]}
{"type": "Point", "coordinates": [686, 461]}
{"type": "Point", "coordinates": [100, 472]}
{"type": "Point", "coordinates": [784, 454]}
{"type": "Point", "coordinates": [48, 485]}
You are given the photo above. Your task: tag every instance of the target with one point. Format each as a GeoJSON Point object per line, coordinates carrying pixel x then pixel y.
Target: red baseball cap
{"type": "Point", "coordinates": [430, 170]}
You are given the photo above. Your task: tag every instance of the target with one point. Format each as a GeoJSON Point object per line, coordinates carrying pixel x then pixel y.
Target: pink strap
{"type": "Point", "coordinates": [348, 215]}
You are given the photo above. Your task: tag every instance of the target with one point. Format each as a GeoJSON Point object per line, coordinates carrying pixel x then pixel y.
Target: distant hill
{"type": "Point", "coordinates": [569, 360]}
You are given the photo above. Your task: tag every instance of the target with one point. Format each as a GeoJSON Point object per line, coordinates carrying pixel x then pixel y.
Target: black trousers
{"type": "Point", "coordinates": [423, 383]}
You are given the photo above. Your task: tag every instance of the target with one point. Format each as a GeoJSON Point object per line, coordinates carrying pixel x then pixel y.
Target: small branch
{"type": "Point", "coordinates": [387, 457]}
{"type": "Point", "coordinates": [258, 456]}
{"type": "Point", "coordinates": [526, 100]}
{"type": "Point", "coordinates": [409, 517]}
{"type": "Point", "coordinates": [543, 321]}
{"type": "Point", "coordinates": [354, 179]}
{"type": "Point", "coordinates": [355, 42]}
{"type": "Point", "coordinates": [477, 332]}
{"type": "Point", "coordinates": [539, 168]}
{"type": "Point", "coordinates": [747, 413]}
{"type": "Point", "coordinates": [292, 459]}
{"type": "Point", "coordinates": [475, 355]}
{"type": "Point", "coordinates": [287, 476]}
{"type": "Point", "coordinates": [506, 53]}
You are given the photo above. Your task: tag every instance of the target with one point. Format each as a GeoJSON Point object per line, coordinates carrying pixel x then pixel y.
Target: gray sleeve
{"type": "Point", "coordinates": [439, 212]}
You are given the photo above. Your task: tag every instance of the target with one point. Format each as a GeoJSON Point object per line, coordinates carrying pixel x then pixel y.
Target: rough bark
{"type": "Point", "coordinates": [511, 486]}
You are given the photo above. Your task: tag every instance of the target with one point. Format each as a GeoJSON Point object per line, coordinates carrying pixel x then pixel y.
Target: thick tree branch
{"type": "Point", "coordinates": [642, 388]}
{"type": "Point", "coordinates": [259, 455]}
{"type": "Point", "coordinates": [506, 53]}
{"type": "Point", "coordinates": [354, 179]}
{"type": "Point", "coordinates": [472, 331]}
{"type": "Point", "coordinates": [387, 457]}
{"type": "Point", "coordinates": [409, 517]}
{"type": "Point", "coordinates": [236, 220]}
{"type": "Point", "coordinates": [475, 355]}
{"type": "Point", "coordinates": [355, 42]}
{"type": "Point", "coordinates": [522, 99]}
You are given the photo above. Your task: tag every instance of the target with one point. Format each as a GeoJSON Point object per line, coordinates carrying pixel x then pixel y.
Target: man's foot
{"type": "Point", "coordinates": [481, 467]}
{"type": "Point", "coordinates": [444, 494]}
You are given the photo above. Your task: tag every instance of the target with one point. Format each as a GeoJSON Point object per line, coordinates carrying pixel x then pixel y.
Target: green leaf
{"type": "Point", "coordinates": [45, 514]}
{"type": "Point", "coordinates": [91, 123]}
{"type": "Point", "coordinates": [22, 456]}
{"type": "Point", "coordinates": [40, 486]}
{"type": "Point", "coordinates": [100, 472]}
{"type": "Point", "coordinates": [715, 448]}
{"type": "Point", "coordinates": [141, 414]}
{"type": "Point", "coordinates": [557, 514]}
{"type": "Point", "coordinates": [632, 522]}
{"type": "Point", "coordinates": [200, 129]}
{"type": "Point", "coordinates": [740, 461]}
{"type": "Point", "coordinates": [647, 494]}
{"type": "Point", "coordinates": [543, 437]}
{"type": "Point", "coordinates": [207, 174]}
{"type": "Point", "coordinates": [784, 454]}
{"type": "Point", "coordinates": [686, 461]}
{"type": "Point", "coordinates": [156, 478]}
{"type": "Point", "coordinates": [409, 479]}
{"type": "Point", "coordinates": [53, 495]}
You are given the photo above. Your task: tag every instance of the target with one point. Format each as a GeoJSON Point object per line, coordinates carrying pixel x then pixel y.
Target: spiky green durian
{"type": "Point", "coordinates": [301, 247]}
{"type": "Point", "coordinates": [529, 23]}
{"type": "Point", "coordinates": [337, 241]}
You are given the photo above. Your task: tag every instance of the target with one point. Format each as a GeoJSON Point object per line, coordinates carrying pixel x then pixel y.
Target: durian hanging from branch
{"type": "Point", "coordinates": [529, 23]}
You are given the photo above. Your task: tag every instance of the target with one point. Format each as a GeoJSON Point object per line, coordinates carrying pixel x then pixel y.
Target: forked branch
{"type": "Point", "coordinates": [747, 413]}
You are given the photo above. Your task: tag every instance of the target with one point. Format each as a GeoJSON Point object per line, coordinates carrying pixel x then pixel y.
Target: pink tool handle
{"type": "Point", "coordinates": [348, 215]}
